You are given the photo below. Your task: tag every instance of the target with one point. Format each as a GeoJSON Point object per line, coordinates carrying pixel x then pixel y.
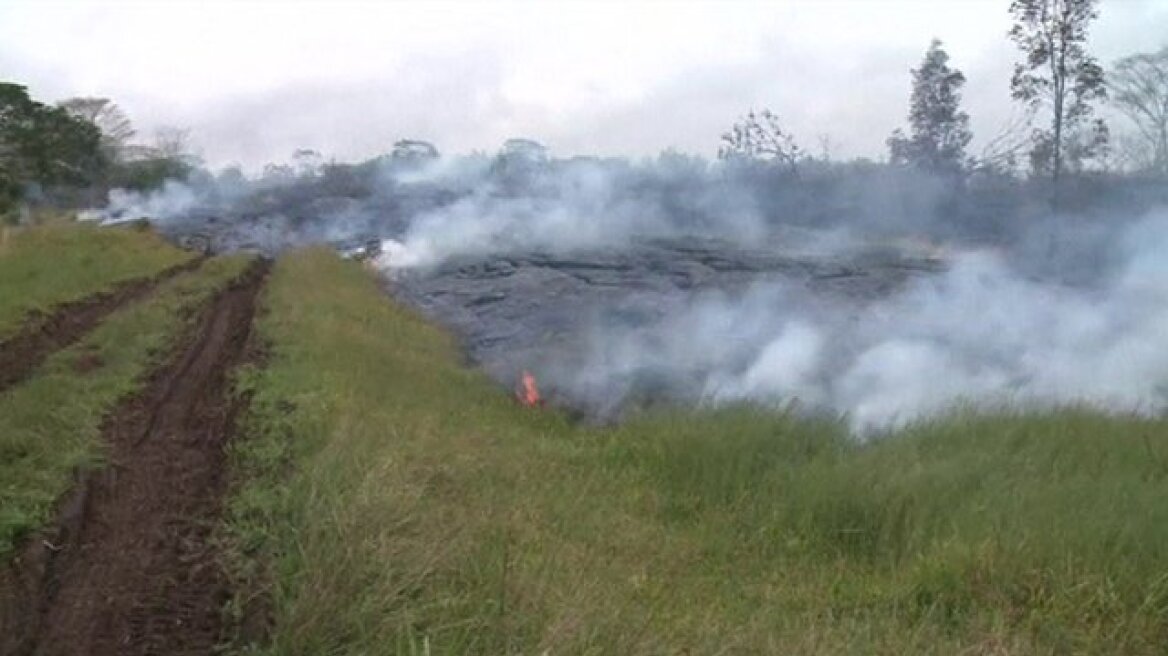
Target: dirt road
{"type": "Point", "coordinates": [23, 352]}
{"type": "Point", "coordinates": [130, 567]}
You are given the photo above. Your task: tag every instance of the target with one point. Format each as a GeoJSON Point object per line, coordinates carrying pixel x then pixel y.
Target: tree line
{"type": "Point", "coordinates": [1058, 84]}
{"type": "Point", "coordinates": [73, 151]}
{"type": "Point", "coordinates": [76, 150]}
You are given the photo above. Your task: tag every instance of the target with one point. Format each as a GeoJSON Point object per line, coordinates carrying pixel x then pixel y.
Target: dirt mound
{"type": "Point", "coordinates": [130, 567]}
{"type": "Point", "coordinates": [69, 322]}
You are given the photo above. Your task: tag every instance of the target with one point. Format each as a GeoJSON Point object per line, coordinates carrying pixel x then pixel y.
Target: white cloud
{"type": "Point", "coordinates": [258, 79]}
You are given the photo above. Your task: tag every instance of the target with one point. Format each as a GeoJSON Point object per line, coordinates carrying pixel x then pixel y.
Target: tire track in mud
{"type": "Point", "coordinates": [21, 354]}
{"type": "Point", "coordinates": [130, 567]}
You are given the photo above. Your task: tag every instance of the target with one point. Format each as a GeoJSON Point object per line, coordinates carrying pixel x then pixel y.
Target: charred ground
{"type": "Point", "coordinates": [539, 310]}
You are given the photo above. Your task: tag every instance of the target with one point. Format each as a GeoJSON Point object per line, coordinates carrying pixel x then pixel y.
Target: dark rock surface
{"type": "Point", "coordinates": [556, 313]}
{"type": "Point", "coordinates": [537, 310]}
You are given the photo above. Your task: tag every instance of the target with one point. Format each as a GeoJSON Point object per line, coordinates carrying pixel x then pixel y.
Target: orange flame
{"type": "Point", "coordinates": [528, 393]}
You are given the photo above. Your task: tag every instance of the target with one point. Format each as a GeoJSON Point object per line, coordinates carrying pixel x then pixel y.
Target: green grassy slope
{"type": "Point", "coordinates": [44, 266]}
{"type": "Point", "coordinates": [51, 423]}
{"type": "Point", "coordinates": [390, 501]}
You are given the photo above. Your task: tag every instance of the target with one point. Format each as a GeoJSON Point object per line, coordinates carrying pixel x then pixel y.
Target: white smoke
{"type": "Point", "coordinates": [1018, 326]}
{"type": "Point", "coordinates": [581, 205]}
{"type": "Point", "coordinates": [978, 335]}
{"type": "Point", "coordinates": [173, 200]}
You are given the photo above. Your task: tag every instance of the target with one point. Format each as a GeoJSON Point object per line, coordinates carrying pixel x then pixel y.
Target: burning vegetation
{"type": "Point", "coordinates": [527, 391]}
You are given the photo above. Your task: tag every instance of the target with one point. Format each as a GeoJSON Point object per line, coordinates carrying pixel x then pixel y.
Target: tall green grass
{"type": "Point", "coordinates": [388, 500]}
{"type": "Point", "coordinates": [51, 423]}
{"type": "Point", "coordinates": [46, 265]}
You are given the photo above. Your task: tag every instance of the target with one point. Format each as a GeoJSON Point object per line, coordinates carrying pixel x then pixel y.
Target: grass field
{"type": "Point", "coordinates": [50, 424]}
{"type": "Point", "coordinates": [388, 500]}
{"type": "Point", "coordinates": [44, 266]}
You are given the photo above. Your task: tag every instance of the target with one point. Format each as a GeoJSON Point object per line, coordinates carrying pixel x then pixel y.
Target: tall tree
{"type": "Point", "coordinates": [1139, 89]}
{"type": "Point", "coordinates": [42, 145]}
{"type": "Point", "coordinates": [115, 126]}
{"type": "Point", "coordinates": [1059, 75]}
{"type": "Point", "coordinates": [939, 130]}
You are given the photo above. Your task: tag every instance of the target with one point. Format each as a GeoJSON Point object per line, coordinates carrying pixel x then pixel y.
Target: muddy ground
{"type": "Point", "coordinates": [130, 567]}
{"type": "Point", "coordinates": [69, 322]}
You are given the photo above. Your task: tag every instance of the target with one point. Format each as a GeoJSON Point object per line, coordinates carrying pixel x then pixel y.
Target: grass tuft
{"type": "Point", "coordinates": [48, 265]}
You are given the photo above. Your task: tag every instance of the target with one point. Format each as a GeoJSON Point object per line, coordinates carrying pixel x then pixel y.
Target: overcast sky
{"type": "Point", "coordinates": [256, 80]}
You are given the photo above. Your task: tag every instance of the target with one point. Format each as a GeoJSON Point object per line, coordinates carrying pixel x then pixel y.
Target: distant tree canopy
{"type": "Point", "coordinates": [1139, 89]}
{"type": "Point", "coordinates": [519, 163]}
{"type": "Point", "coordinates": [42, 145]}
{"type": "Point", "coordinates": [759, 137]}
{"type": "Point", "coordinates": [143, 167]}
{"type": "Point", "coordinates": [145, 173]}
{"type": "Point", "coordinates": [1057, 75]}
{"type": "Point", "coordinates": [527, 150]}
{"type": "Point", "coordinates": [73, 152]}
{"type": "Point", "coordinates": [116, 128]}
{"type": "Point", "coordinates": [413, 152]}
{"type": "Point", "coordinates": [938, 129]}
{"type": "Point", "coordinates": [308, 162]}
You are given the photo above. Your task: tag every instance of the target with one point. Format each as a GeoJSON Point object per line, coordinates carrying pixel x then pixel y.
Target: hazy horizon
{"type": "Point", "coordinates": [255, 80]}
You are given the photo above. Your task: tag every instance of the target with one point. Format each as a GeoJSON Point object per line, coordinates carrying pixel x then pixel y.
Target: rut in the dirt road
{"type": "Point", "coordinates": [132, 568]}
{"type": "Point", "coordinates": [21, 354]}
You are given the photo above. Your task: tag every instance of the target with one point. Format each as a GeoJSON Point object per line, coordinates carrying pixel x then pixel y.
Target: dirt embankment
{"type": "Point", "coordinates": [130, 567]}
{"type": "Point", "coordinates": [69, 322]}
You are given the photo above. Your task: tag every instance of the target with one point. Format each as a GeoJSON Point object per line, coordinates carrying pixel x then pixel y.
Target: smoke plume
{"type": "Point", "coordinates": [980, 334]}
{"type": "Point", "coordinates": [854, 289]}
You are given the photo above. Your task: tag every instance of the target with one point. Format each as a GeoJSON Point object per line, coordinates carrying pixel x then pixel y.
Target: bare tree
{"type": "Point", "coordinates": [1008, 146]}
{"type": "Point", "coordinates": [1057, 74]}
{"type": "Point", "coordinates": [760, 137]}
{"type": "Point", "coordinates": [826, 146]}
{"type": "Point", "coordinates": [172, 143]}
{"type": "Point", "coordinates": [116, 128]}
{"type": "Point", "coordinates": [1139, 89]}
